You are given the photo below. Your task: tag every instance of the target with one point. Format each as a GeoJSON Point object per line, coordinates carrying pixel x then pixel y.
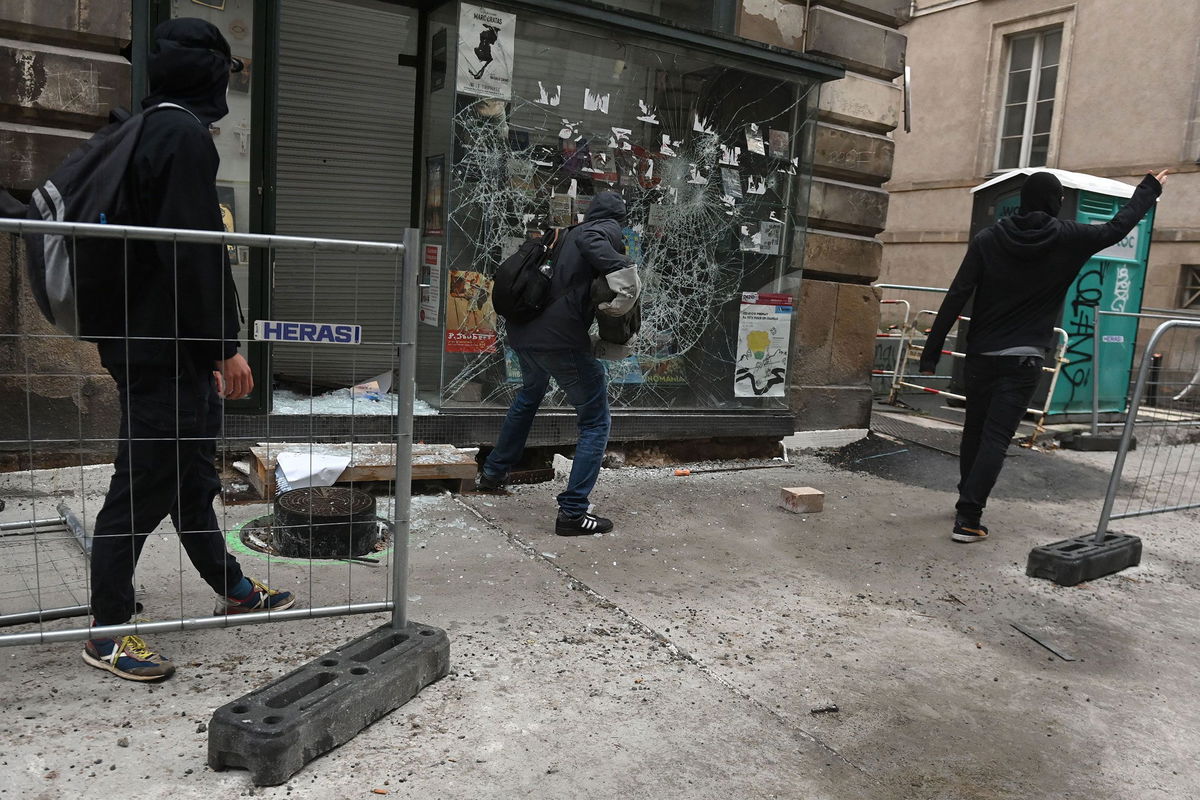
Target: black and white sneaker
{"type": "Point", "coordinates": [966, 532]}
{"type": "Point", "coordinates": [583, 525]}
{"type": "Point", "coordinates": [486, 483]}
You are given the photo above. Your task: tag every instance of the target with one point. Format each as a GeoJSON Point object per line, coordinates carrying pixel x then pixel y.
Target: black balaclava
{"type": "Point", "coordinates": [189, 65]}
{"type": "Point", "coordinates": [1041, 191]}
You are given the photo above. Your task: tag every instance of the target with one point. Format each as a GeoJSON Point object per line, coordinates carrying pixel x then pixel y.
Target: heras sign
{"type": "Point", "coordinates": [307, 332]}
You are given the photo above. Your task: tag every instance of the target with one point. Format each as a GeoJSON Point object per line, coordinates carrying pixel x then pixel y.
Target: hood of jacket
{"type": "Point", "coordinates": [606, 205]}
{"type": "Point", "coordinates": [1026, 236]}
{"type": "Point", "coordinates": [189, 64]}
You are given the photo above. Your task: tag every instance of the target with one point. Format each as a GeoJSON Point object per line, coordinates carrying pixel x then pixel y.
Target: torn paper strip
{"type": "Point", "coordinates": [648, 116]}
{"type": "Point", "coordinates": [594, 101]}
{"type": "Point", "coordinates": [546, 99]}
{"type": "Point", "coordinates": [303, 470]}
{"type": "Point", "coordinates": [754, 140]}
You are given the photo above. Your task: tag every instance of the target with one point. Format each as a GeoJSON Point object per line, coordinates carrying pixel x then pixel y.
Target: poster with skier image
{"type": "Point", "coordinates": [486, 41]}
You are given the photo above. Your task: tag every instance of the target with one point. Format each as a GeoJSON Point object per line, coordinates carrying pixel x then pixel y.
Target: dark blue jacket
{"type": "Point", "coordinates": [592, 249]}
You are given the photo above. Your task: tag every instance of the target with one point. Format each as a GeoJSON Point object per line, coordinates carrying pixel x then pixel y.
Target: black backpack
{"type": "Point", "coordinates": [521, 286]}
{"type": "Point", "coordinates": [78, 282]}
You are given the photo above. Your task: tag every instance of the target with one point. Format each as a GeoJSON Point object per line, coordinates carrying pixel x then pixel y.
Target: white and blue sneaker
{"type": "Point", "coordinates": [128, 657]}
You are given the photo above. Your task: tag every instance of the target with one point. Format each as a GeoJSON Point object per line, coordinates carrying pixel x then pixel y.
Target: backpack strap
{"type": "Point", "coordinates": [560, 241]}
{"type": "Point", "coordinates": [156, 107]}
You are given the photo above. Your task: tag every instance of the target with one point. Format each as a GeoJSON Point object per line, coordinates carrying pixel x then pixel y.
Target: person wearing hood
{"type": "Point", "coordinates": [179, 357]}
{"type": "Point", "coordinates": [1019, 271]}
{"type": "Point", "coordinates": [556, 344]}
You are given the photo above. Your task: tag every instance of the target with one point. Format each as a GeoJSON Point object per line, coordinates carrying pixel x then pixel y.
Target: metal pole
{"type": "Point", "coordinates": [89, 230]}
{"type": "Point", "coordinates": [1155, 379]}
{"type": "Point", "coordinates": [941, 289]}
{"type": "Point", "coordinates": [1114, 480]}
{"type": "Point", "coordinates": [31, 524]}
{"type": "Point", "coordinates": [1059, 359]}
{"type": "Point", "coordinates": [43, 616]}
{"type": "Point", "coordinates": [409, 299]}
{"type": "Point", "coordinates": [1096, 374]}
{"type": "Point", "coordinates": [197, 623]}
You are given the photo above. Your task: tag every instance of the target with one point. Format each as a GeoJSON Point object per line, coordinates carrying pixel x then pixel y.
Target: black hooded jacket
{"type": "Point", "coordinates": [1019, 271]}
{"type": "Point", "coordinates": [594, 248]}
{"type": "Point", "coordinates": [179, 290]}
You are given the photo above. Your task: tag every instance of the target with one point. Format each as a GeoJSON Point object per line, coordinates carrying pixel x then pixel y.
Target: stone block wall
{"type": "Point", "coordinates": [61, 67]}
{"type": "Point", "coordinates": [838, 312]}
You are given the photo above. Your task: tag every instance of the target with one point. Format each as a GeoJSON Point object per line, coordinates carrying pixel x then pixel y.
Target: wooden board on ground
{"type": "Point", "coordinates": [368, 462]}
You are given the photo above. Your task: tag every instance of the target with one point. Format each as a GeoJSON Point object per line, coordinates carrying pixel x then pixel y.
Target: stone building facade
{"type": "Point", "coordinates": [1119, 95]}
{"type": "Point", "coordinates": [63, 69]}
{"type": "Point", "coordinates": [839, 311]}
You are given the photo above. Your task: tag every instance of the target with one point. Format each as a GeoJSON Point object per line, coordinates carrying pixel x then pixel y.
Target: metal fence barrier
{"type": "Point", "coordinates": [895, 331]}
{"type": "Point", "coordinates": [909, 330]}
{"type": "Point", "coordinates": [1172, 376]}
{"type": "Point", "coordinates": [913, 352]}
{"type": "Point", "coordinates": [1164, 476]}
{"type": "Point", "coordinates": [44, 572]}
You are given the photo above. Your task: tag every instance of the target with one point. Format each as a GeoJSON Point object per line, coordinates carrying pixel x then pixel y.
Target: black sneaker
{"type": "Point", "coordinates": [486, 483]}
{"type": "Point", "coordinates": [583, 525]}
{"type": "Point", "coordinates": [968, 531]}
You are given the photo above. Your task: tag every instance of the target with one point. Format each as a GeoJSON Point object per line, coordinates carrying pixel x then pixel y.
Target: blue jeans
{"type": "Point", "coordinates": [581, 377]}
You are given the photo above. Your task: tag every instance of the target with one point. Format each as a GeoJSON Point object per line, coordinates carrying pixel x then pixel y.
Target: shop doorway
{"type": "Point", "coordinates": [346, 109]}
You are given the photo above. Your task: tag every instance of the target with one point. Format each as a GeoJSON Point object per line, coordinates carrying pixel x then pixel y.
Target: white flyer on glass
{"type": "Point", "coordinates": [764, 334]}
{"type": "Point", "coordinates": [431, 284]}
{"type": "Point", "coordinates": [486, 44]}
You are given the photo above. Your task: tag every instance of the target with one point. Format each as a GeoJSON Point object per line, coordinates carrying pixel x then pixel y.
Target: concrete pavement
{"type": "Point", "coordinates": [685, 655]}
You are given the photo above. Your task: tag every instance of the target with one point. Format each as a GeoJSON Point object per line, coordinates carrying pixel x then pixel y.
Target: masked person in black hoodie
{"type": "Point", "coordinates": [556, 344]}
{"type": "Point", "coordinates": [179, 356]}
{"type": "Point", "coordinates": [1019, 271]}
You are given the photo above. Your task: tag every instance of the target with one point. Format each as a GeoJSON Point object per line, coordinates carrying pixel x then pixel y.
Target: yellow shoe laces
{"type": "Point", "coordinates": [137, 647]}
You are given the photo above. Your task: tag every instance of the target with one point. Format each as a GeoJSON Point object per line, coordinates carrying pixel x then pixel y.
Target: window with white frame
{"type": "Point", "coordinates": [1189, 287]}
{"type": "Point", "coordinates": [1028, 110]}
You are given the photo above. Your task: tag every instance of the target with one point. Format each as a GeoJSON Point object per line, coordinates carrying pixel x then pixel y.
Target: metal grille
{"type": "Point", "coordinates": [345, 167]}
{"type": "Point", "coordinates": [1163, 474]}
{"type": "Point", "coordinates": [44, 570]}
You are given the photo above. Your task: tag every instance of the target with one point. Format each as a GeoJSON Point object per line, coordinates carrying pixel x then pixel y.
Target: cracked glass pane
{"type": "Point", "coordinates": [711, 159]}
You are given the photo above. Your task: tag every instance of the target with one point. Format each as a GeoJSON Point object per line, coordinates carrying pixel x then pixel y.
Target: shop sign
{"type": "Point", "coordinates": [266, 330]}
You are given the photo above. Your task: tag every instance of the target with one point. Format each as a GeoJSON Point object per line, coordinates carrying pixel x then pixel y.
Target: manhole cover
{"type": "Point", "coordinates": [325, 522]}
{"type": "Point", "coordinates": [260, 534]}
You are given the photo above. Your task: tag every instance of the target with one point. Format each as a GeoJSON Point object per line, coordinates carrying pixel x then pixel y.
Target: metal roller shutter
{"type": "Point", "coordinates": [344, 170]}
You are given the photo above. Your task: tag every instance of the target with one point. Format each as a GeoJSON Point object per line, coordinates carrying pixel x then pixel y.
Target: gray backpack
{"type": "Point", "coordinates": [79, 282]}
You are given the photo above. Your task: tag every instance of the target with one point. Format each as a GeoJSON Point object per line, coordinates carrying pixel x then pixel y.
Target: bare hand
{"type": "Point", "coordinates": [926, 372]}
{"type": "Point", "coordinates": [1161, 177]}
{"type": "Point", "coordinates": [235, 379]}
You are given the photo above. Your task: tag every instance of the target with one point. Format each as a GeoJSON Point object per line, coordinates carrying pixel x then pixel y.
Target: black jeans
{"type": "Point", "coordinates": [999, 389]}
{"type": "Point", "coordinates": [165, 465]}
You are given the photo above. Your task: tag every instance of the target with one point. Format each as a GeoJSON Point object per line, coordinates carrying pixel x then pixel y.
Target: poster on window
{"type": "Point", "coordinates": [435, 195]}
{"type": "Point", "coordinates": [470, 318]}
{"type": "Point", "coordinates": [486, 42]}
{"type": "Point", "coordinates": [764, 331]}
{"type": "Point", "coordinates": [431, 284]}
{"type": "Point", "coordinates": [226, 198]}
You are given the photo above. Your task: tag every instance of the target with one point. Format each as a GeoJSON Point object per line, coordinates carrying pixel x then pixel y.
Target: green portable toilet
{"type": "Point", "coordinates": [1112, 280]}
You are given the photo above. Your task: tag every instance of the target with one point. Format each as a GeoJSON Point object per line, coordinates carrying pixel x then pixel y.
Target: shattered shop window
{"type": "Point", "coordinates": [706, 157]}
